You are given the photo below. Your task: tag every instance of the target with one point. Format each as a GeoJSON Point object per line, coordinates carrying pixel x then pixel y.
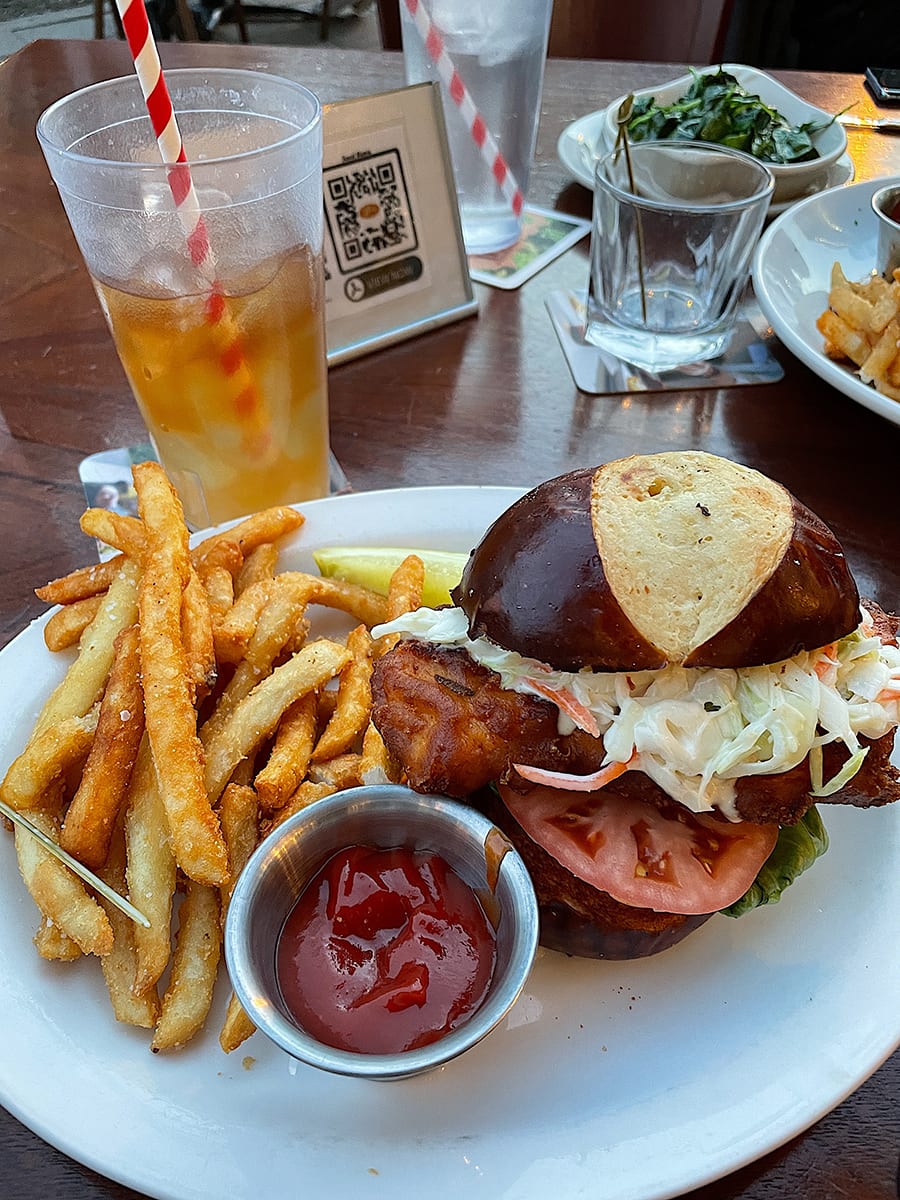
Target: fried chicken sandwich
{"type": "Point", "coordinates": [652, 672]}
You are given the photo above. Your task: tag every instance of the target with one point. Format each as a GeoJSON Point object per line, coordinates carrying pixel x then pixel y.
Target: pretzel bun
{"type": "Point", "coordinates": [680, 558]}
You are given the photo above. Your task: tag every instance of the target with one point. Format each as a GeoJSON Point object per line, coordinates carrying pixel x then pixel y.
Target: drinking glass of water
{"type": "Point", "coordinates": [675, 225]}
{"type": "Point", "coordinates": [488, 56]}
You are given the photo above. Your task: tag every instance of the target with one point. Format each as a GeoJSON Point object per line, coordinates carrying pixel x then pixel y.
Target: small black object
{"type": "Point", "coordinates": [884, 84]}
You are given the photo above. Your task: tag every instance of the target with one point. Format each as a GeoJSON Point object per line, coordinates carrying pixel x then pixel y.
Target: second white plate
{"type": "Point", "coordinates": [792, 274]}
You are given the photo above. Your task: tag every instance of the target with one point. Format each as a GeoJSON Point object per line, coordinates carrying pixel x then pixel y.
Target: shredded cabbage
{"type": "Point", "coordinates": [695, 731]}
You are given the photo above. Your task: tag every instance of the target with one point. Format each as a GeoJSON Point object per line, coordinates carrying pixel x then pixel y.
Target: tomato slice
{"type": "Point", "coordinates": [666, 859]}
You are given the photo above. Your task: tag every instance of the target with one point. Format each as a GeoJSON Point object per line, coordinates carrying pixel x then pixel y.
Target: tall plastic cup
{"type": "Point", "coordinates": [239, 421]}
{"type": "Point", "coordinates": [497, 49]}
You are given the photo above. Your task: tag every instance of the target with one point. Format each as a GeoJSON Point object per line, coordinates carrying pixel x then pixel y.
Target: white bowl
{"type": "Point", "coordinates": [791, 179]}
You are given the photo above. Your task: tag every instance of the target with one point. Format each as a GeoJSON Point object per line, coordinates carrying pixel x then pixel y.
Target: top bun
{"type": "Point", "coordinates": [680, 558]}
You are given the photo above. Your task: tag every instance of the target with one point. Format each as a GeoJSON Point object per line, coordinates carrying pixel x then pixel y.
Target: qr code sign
{"type": "Point", "coordinates": [368, 211]}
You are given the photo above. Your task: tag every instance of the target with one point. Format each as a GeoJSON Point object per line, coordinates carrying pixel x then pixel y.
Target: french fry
{"type": "Point", "coordinates": [376, 766]}
{"type": "Point", "coordinates": [150, 871]}
{"type": "Point", "coordinates": [354, 699]}
{"type": "Point", "coordinates": [91, 817]}
{"type": "Point", "coordinates": [223, 552]}
{"type": "Point", "coordinates": [129, 1007]}
{"type": "Point", "coordinates": [275, 625]}
{"type": "Point", "coordinates": [838, 278]}
{"type": "Point", "coordinates": [259, 565]}
{"type": "Point", "coordinates": [278, 622]}
{"type": "Point", "coordinates": [885, 307]}
{"type": "Point", "coordinates": [233, 632]}
{"type": "Point", "coordinates": [125, 534]}
{"type": "Point", "coordinates": [299, 635]}
{"type": "Point", "coordinates": [243, 773]}
{"type": "Point", "coordinates": [290, 755]}
{"type": "Point", "coordinates": [197, 636]}
{"type": "Point", "coordinates": [873, 288]}
{"type": "Point", "coordinates": [86, 677]}
{"type": "Point", "coordinates": [195, 963]}
{"type": "Point", "coordinates": [236, 1027]}
{"type": "Point", "coordinates": [168, 704]}
{"type": "Point", "coordinates": [256, 716]}
{"type": "Point", "coordinates": [846, 341]}
{"type": "Point", "coordinates": [54, 945]}
{"type": "Point", "coordinates": [326, 706]}
{"type": "Point", "coordinates": [60, 894]}
{"type": "Point", "coordinates": [48, 756]}
{"type": "Point", "coordinates": [307, 793]}
{"type": "Point", "coordinates": [78, 585]}
{"type": "Point", "coordinates": [266, 526]}
{"type": "Point", "coordinates": [345, 771]}
{"type": "Point", "coordinates": [405, 590]}
{"type": "Point", "coordinates": [219, 586]}
{"type": "Point", "coordinates": [404, 595]}
{"type": "Point", "coordinates": [882, 355]}
{"type": "Point", "coordinates": [67, 624]}
{"type": "Point", "coordinates": [238, 811]}
{"type": "Point", "coordinates": [360, 603]}
{"type": "Point", "coordinates": [852, 308]}
{"type": "Point", "coordinates": [888, 389]}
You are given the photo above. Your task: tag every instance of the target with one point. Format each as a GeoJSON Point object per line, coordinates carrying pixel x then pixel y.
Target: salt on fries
{"type": "Point", "coordinates": [196, 715]}
{"type": "Point", "coordinates": [862, 324]}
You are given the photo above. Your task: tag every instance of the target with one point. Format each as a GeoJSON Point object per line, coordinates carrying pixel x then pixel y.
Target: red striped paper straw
{"type": "Point", "coordinates": [483, 138]}
{"type": "Point", "coordinates": [250, 411]}
{"type": "Point", "coordinates": [168, 136]}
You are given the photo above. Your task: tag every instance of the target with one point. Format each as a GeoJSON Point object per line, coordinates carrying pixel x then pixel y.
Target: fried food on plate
{"type": "Point", "coordinates": [862, 324]}
{"type": "Point", "coordinates": [194, 709]}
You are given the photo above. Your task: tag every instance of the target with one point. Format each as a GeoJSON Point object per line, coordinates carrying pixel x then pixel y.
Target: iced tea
{"type": "Point", "coordinates": [173, 359]}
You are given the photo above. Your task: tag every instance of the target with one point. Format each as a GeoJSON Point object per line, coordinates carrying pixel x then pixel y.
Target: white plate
{"type": "Point", "coordinates": [792, 271]}
{"type": "Point", "coordinates": [582, 142]}
{"type": "Point", "coordinates": [637, 1079]}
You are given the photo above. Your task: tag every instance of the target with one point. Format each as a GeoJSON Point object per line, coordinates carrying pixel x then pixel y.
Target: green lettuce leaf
{"type": "Point", "coordinates": [796, 850]}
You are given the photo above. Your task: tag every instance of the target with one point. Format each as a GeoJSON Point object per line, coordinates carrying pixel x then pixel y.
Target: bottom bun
{"type": "Point", "coordinates": [578, 919]}
{"type": "Point", "coordinates": [564, 929]}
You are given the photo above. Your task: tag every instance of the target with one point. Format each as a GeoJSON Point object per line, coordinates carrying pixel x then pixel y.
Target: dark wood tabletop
{"type": "Point", "coordinates": [486, 400]}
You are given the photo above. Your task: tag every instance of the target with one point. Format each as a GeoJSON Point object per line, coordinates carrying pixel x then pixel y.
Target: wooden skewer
{"type": "Point", "coordinates": [73, 864]}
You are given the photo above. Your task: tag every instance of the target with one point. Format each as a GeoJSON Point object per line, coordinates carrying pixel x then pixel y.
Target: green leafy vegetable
{"type": "Point", "coordinates": [796, 850]}
{"type": "Point", "coordinates": [716, 108]}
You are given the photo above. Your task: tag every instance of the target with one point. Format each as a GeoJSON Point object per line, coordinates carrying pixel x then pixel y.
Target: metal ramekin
{"type": "Point", "coordinates": [381, 816]}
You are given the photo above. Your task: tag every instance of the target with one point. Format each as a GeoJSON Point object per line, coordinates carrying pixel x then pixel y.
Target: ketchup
{"type": "Point", "coordinates": [385, 950]}
{"type": "Point", "coordinates": [894, 213]}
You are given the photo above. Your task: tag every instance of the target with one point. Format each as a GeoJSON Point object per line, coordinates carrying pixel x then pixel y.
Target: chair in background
{"type": "Point", "coordinates": [197, 22]}
{"type": "Point", "coordinates": [691, 31]}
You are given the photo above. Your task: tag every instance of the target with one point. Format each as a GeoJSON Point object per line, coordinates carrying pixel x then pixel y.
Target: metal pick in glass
{"type": "Point", "coordinates": [73, 864]}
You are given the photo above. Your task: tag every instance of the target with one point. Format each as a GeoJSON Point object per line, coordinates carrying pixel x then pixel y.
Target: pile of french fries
{"type": "Point", "coordinates": [196, 715]}
{"type": "Point", "coordinates": [862, 325]}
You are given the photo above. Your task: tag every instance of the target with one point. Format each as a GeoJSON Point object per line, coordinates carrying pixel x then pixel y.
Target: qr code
{"type": "Point", "coordinates": [368, 211]}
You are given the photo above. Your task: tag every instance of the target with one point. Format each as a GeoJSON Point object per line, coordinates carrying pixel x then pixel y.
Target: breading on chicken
{"type": "Point", "coordinates": [454, 728]}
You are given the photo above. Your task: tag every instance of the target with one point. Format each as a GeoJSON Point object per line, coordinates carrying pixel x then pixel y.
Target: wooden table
{"type": "Point", "coordinates": [488, 400]}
